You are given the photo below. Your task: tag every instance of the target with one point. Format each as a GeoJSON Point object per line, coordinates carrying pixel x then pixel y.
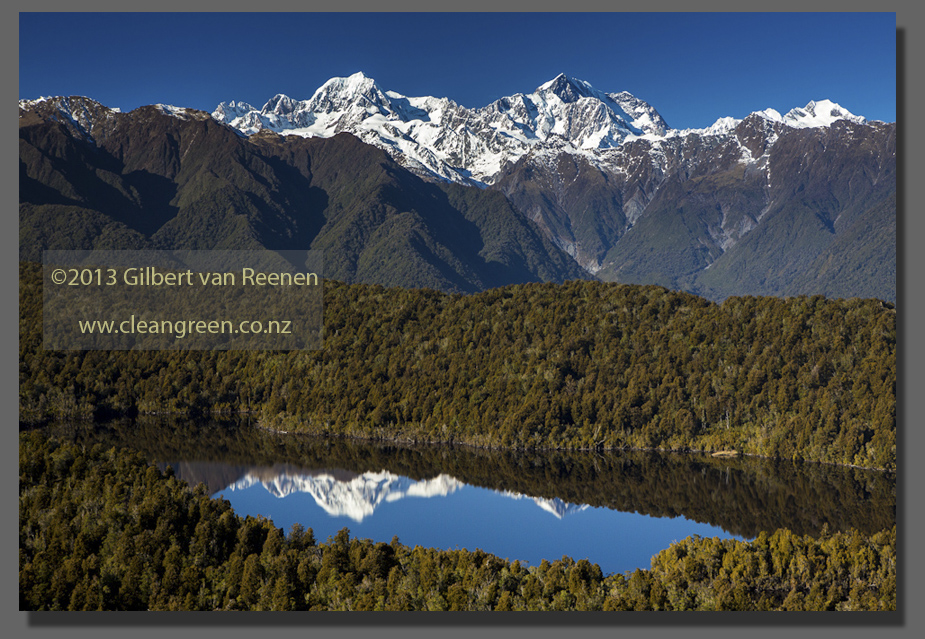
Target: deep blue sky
{"type": "Point", "coordinates": [693, 68]}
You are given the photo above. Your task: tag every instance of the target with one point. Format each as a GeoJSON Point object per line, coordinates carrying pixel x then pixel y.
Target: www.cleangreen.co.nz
{"type": "Point", "coordinates": [181, 328]}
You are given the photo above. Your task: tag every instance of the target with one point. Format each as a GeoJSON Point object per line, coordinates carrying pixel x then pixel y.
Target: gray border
{"type": "Point", "coordinates": [589, 625]}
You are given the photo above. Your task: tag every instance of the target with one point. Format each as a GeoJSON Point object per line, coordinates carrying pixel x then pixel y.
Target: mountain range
{"type": "Point", "coordinates": [565, 182]}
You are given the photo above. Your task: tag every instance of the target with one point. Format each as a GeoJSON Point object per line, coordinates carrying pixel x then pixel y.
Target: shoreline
{"type": "Point", "coordinates": [683, 451]}
{"type": "Point", "coordinates": [406, 441]}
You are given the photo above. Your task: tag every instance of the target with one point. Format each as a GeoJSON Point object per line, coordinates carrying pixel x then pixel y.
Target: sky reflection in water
{"type": "Point", "coordinates": [456, 515]}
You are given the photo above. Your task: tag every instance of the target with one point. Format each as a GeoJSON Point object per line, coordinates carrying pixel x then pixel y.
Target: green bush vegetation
{"type": "Point", "coordinates": [580, 365]}
{"type": "Point", "coordinates": [100, 529]}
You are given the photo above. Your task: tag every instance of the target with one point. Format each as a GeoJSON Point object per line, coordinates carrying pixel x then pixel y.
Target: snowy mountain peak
{"type": "Point", "coordinates": [567, 89]}
{"type": "Point", "coordinates": [354, 90]}
{"type": "Point", "coordinates": [770, 114]}
{"type": "Point", "coordinates": [815, 114]}
{"type": "Point", "coordinates": [279, 104]}
{"type": "Point", "coordinates": [821, 113]}
{"type": "Point", "coordinates": [722, 126]}
{"type": "Point", "coordinates": [356, 84]}
{"type": "Point", "coordinates": [227, 112]}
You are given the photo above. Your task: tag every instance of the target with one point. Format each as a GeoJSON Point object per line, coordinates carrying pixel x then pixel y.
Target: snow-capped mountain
{"type": "Point", "coordinates": [359, 496]}
{"type": "Point", "coordinates": [815, 114]}
{"type": "Point", "coordinates": [436, 137]}
{"type": "Point", "coordinates": [822, 113]}
{"type": "Point", "coordinates": [575, 183]}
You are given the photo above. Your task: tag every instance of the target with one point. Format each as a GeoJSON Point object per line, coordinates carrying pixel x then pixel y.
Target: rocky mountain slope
{"type": "Point", "coordinates": [770, 204]}
{"type": "Point", "coordinates": [763, 209]}
{"type": "Point", "coordinates": [162, 177]}
{"type": "Point", "coordinates": [567, 181]}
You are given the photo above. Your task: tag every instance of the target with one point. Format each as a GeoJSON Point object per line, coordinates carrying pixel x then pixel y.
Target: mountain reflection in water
{"type": "Point", "coordinates": [637, 502]}
{"type": "Point", "coordinates": [446, 513]}
{"type": "Point", "coordinates": [355, 498]}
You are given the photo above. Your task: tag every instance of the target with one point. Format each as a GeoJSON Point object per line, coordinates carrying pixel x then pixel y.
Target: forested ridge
{"type": "Point", "coordinates": [100, 529]}
{"type": "Point", "coordinates": [577, 365]}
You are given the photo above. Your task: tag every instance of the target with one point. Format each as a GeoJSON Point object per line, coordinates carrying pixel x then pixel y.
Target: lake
{"type": "Point", "coordinates": [614, 509]}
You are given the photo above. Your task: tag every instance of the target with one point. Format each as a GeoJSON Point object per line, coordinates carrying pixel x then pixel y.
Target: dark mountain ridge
{"type": "Point", "coordinates": [156, 178]}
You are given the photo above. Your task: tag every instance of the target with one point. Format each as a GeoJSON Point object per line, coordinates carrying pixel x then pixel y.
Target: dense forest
{"type": "Point", "coordinates": [580, 365]}
{"type": "Point", "coordinates": [101, 529]}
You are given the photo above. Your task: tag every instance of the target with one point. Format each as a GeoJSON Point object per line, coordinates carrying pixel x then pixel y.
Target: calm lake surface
{"type": "Point", "coordinates": [614, 509]}
{"type": "Point", "coordinates": [444, 512]}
